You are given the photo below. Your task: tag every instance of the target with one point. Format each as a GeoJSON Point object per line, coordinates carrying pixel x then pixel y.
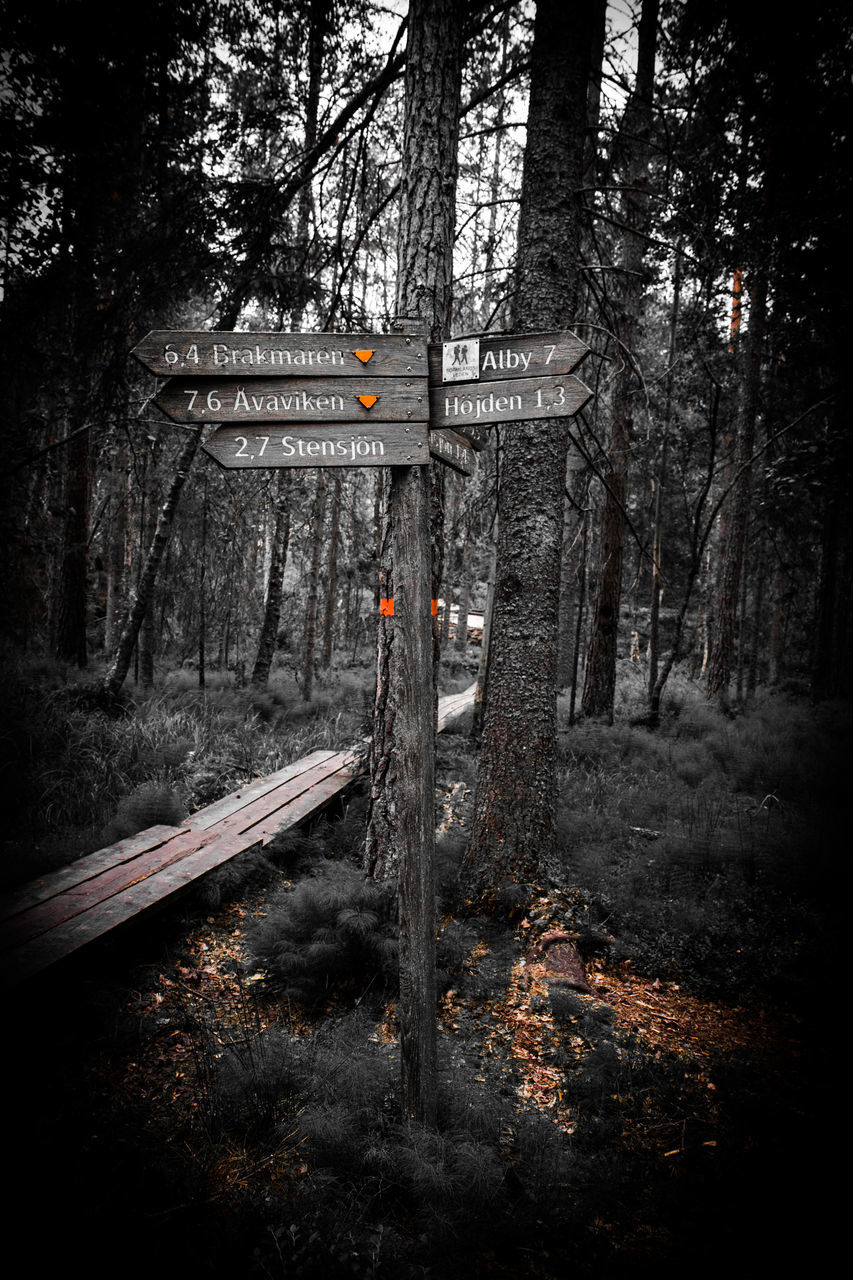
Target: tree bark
{"type": "Point", "coordinates": [600, 682]}
{"type": "Point", "coordinates": [332, 572]}
{"type": "Point", "coordinates": [117, 673]}
{"type": "Point", "coordinates": [513, 827]}
{"type": "Point", "coordinates": [318, 517]}
{"type": "Point", "coordinates": [275, 581]}
{"type": "Point", "coordinates": [70, 640]}
{"type": "Point", "coordinates": [722, 649]}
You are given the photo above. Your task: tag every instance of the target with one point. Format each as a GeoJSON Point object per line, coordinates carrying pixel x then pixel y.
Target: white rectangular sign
{"type": "Point", "coordinates": [460, 360]}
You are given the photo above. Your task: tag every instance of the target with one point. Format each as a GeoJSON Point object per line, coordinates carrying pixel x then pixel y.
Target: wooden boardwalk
{"type": "Point", "coordinates": [57, 914]}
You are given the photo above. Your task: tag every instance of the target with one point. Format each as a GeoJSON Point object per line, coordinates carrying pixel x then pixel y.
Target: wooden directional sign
{"type": "Point", "coordinates": [200, 353]}
{"type": "Point", "coordinates": [329, 399]}
{"type": "Point", "coordinates": [454, 449]}
{"type": "Point", "coordinates": [466, 404]}
{"type": "Point", "coordinates": [353, 445]}
{"type": "Point", "coordinates": [510, 355]}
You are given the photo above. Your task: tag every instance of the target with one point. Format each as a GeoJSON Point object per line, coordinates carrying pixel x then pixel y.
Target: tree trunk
{"type": "Point", "coordinates": [513, 828]}
{"type": "Point", "coordinates": [319, 12]}
{"type": "Point", "coordinates": [70, 639]}
{"type": "Point", "coordinates": [478, 713]}
{"type": "Point", "coordinates": [117, 673]}
{"type": "Point", "coordinates": [464, 579]}
{"type": "Point", "coordinates": [600, 683]}
{"type": "Point", "coordinates": [722, 650]}
{"type": "Point", "coordinates": [275, 581]}
{"type": "Point", "coordinates": [332, 576]}
{"type": "Point", "coordinates": [116, 550]}
{"type": "Point", "coordinates": [318, 518]}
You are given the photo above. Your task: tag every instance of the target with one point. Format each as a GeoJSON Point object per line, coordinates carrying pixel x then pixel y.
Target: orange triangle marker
{"type": "Point", "coordinates": [363, 356]}
{"type": "Point", "coordinates": [368, 401]}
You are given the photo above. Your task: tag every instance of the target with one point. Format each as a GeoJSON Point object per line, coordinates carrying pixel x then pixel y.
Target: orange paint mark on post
{"type": "Point", "coordinates": [368, 401]}
{"type": "Point", "coordinates": [386, 607]}
{"type": "Point", "coordinates": [363, 355]}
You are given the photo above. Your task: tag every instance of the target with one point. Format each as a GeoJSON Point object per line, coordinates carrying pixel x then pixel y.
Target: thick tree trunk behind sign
{"type": "Point", "coordinates": [70, 640]}
{"type": "Point", "coordinates": [513, 829]}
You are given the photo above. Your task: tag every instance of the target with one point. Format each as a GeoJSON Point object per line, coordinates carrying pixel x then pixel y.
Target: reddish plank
{"type": "Point", "coordinates": [60, 913]}
{"type": "Point", "coordinates": [41, 952]}
{"type": "Point", "coordinates": [48, 886]}
{"type": "Point", "coordinates": [223, 808]}
{"type": "Point", "coordinates": [265, 807]}
{"type": "Point", "coordinates": [83, 897]}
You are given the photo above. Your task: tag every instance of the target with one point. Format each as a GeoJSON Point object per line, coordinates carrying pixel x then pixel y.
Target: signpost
{"type": "Point", "coordinates": [356, 385]}
{"type": "Point", "coordinates": [355, 400]}
{"type": "Point", "coordinates": [324, 399]}
{"type": "Point", "coordinates": [511, 400]}
{"type": "Point", "coordinates": [506, 356]}
{"type": "Point", "coordinates": [352, 445]}
{"type": "Point", "coordinates": [201, 353]}
{"type": "Point", "coordinates": [455, 450]}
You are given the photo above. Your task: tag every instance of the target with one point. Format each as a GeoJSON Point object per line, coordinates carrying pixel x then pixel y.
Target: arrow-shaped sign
{"type": "Point", "coordinates": [466, 404]}
{"type": "Point", "coordinates": [288, 400]}
{"type": "Point", "coordinates": [354, 445]}
{"type": "Point", "coordinates": [200, 353]}
{"type": "Point", "coordinates": [509, 355]}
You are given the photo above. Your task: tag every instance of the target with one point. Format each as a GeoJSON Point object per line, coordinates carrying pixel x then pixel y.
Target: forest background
{"type": "Point", "coordinates": [238, 166]}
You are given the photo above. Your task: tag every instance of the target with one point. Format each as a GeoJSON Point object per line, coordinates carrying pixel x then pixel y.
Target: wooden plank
{"type": "Point", "coordinates": [354, 404]}
{"type": "Point", "coordinates": [201, 353]}
{"type": "Point", "coordinates": [91, 865]}
{"type": "Point", "coordinates": [220, 809]}
{"type": "Point", "coordinates": [303, 806]}
{"type": "Point", "coordinates": [454, 449]}
{"type": "Point", "coordinates": [517, 355]}
{"type": "Point", "coordinates": [46, 916]}
{"type": "Point", "coordinates": [454, 704]}
{"type": "Point", "coordinates": [255, 817]}
{"type": "Point", "coordinates": [513, 400]}
{"type": "Point", "coordinates": [222, 844]}
{"type": "Point", "coordinates": [77, 873]}
{"type": "Point", "coordinates": [244, 820]}
{"type": "Point", "coordinates": [261, 814]}
{"type": "Point", "coordinates": [350, 445]}
{"type": "Point", "coordinates": [70, 936]}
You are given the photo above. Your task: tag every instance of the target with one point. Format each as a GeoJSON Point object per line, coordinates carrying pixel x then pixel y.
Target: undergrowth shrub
{"type": "Point", "coordinates": [485, 1173]}
{"type": "Point", "coordinates": [709, 838]}
{"type": "Point", "coordinates": [148, 805]}
{"type": "Point", "coordinates": [336, 927]}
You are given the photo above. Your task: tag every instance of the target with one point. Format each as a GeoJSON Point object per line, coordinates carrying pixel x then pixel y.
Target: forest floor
{"type": "Point", "coordinates": [173, 1109]}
